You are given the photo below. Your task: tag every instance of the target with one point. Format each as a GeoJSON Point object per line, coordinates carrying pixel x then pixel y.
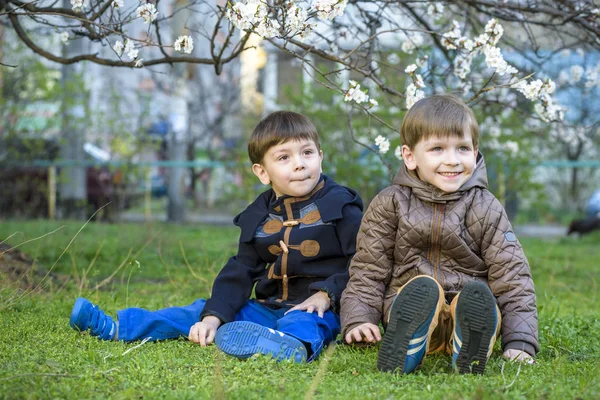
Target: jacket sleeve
{"type": "Point", "coordinates": [346, 230]}
{"type": "Point", "coordinates": [510, 280]}
{"type": "Point", "coordinates": [233, 286]}
{"type": "Point", "coordinates": [371, 267]}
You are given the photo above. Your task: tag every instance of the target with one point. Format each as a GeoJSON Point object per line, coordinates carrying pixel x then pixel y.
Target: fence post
{"type": "Point", "coordinates": [52, 192]}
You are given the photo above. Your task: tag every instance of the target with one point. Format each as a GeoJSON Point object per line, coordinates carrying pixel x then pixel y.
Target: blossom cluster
{"type": "Point", "coordinates": [486, 43]}
{"type": "Point", "coordinates": [184, 44]}
{"type": "Point", "coordinates": [291, 20]}
{"type": "Point", "coordinates": [77, 5]}
{"type": "Point", "coordinates": [147, 12]}
{"type": "Point", "coordinates": [540, 91]}
{"type": "Point", "coordinates": [383, 143]}
{"type": "Point", "coordinates": [413, 90]}
{"type": "Point", "coordinates": [358, 95]}
{"type": "Point", "coordinates": [577, 73]}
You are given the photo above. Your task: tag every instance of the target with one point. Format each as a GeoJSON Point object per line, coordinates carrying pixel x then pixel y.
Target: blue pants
{"type": "Point", "coordinates": [170, 323]}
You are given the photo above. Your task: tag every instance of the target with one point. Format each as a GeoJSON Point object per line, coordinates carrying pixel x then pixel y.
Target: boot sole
{"type": "Point", "coordinates": [475, 313]}
{"type": "Point", "coordinates": [74, 320]}
{"type": "Point", "coordinates": [411, 308]}
{"type": "Point", "coordinates": [244, 339]}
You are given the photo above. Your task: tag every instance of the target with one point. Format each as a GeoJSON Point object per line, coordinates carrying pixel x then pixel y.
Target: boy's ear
{"type": "Point", "coordinates": [409, 158]}
{"type": "Point", "coordinates": [321, 163]}
{"type": "Point", "coordinates": [261, 173]}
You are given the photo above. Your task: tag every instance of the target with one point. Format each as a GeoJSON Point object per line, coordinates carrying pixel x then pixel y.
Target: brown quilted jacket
{"type": "Point", "coordinates": [412, 228]}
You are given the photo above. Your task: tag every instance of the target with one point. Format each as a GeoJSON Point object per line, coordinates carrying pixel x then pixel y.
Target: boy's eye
{"type": "Point", "coordinates": [465, 148]}
{"type": "Point", "coordinates": [436, 149]}
{"type": "Point", "coordinates": [307, 152]}
{"type": "Point", "coordinates": [283, 158]}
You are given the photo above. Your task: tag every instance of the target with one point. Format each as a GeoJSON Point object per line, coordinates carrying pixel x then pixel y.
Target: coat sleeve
{"type": "Point", "coordinates": [371, 267]}
{"type": "Point", "coordinates": [233, 286]}
{"type": "Point", "coordinates": [346, 230]}
{"type": "Point", "coordinates": [510, 280]}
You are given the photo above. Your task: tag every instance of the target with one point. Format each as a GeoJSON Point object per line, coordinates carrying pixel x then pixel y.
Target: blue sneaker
{"type": "Point", "coordinates": [86, 316]}
{"type": "Point", "coordinates": [243, 339]}
{"type": "Point", "coordinates": [476, 326]}
{"type": "Point", "coordinates": [413, 317]}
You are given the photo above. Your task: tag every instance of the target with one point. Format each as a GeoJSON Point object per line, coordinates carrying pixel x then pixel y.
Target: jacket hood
{"type": "Point", "coordinates": [428, 192]}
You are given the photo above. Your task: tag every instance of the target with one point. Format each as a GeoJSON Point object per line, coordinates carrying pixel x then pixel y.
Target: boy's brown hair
{"type": "Point", "coordinates": [279, 127]}
{"type": "Point", "coordinates": [441, 116]}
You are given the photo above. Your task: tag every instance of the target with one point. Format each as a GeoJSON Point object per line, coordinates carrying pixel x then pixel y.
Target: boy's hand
{"type": "Point", "coordinates": [518, 355]}
{"type": "Point", "coordinates": [318, 302]}
{"type": "Point", "coordinates": [204, 332]}
{"type": "Point", "coordinates": [368, 333]}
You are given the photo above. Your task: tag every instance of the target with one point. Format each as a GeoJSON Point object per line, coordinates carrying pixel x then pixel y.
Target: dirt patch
{"type": "Point", "coordinates": [20, 270]}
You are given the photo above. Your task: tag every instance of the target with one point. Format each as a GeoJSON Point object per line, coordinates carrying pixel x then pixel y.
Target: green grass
{"type": "Point", "coordinates": [42, 357]}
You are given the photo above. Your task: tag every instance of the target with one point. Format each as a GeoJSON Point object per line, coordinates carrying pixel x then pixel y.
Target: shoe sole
{"type": "Point", "coordinates": [475, 312]}
{"type": "Point", "coordinates": [244, 339]}
{"type": "Point", "coordinates": [74, 320]}
{"type": "Point", "coordinates": [411, 308]}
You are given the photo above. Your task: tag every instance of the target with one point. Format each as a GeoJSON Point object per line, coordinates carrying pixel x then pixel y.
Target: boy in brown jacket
{"type": "Point", "coordinates": [436, 258]}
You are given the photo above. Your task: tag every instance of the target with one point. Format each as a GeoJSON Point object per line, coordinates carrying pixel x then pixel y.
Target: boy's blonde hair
{"type": "Point", "coordinates": [279, 127]}
{"type": "Point", "coordinates": [441, 116]}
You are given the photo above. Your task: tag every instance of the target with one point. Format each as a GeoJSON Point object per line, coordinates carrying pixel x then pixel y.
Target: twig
{"type": "Point", "coordinates": [189, 266]}
{"type": "Point", "coordinates": [514, 379]}
{"type": "Point", "coordinates": [316, 381]}
{"type": "Point", "coordinates": [27, 241]}
{"type": "Point", "coordinates": [143, 342]}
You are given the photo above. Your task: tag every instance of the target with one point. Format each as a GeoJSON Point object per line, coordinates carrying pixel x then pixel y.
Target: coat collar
{"type": "Point", "coordinates": [327, 195]}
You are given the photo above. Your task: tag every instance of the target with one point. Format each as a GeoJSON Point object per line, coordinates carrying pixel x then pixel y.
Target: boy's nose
{"type": "Point", "coordinates": [451, 158]}
{"type": "Point", "coordinates": [300, 165]}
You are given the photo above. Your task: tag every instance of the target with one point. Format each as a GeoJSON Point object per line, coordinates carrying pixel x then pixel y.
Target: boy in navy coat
{"type": "Point", "coordinates": [296, 242]}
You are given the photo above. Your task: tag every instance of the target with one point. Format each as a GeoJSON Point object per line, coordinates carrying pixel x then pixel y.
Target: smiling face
{"type": "Point", "coordinates": [446, 163]}
{"type": "Point", "coordinates": [293, 168]}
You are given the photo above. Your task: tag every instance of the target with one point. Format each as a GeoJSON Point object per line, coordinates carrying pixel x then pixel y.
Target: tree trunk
{"type": "Point", "coordinates": [73, 190]}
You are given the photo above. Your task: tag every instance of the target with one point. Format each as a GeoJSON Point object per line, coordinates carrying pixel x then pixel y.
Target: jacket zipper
{"type": "Point", "coordinates": [435, 239]}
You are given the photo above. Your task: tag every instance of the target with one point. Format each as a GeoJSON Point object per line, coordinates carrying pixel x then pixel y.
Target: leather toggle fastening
{"type": "Point", "coordinates": [284, 247]}
{"type": "Point", "coordinates": [291, 222]}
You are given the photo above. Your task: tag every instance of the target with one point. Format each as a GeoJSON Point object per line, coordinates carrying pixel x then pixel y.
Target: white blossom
{"type": "Point", "coordinates": [462, 65]}
{"type": "Point", "coordinates": [139, 63]}
{"type": "Point", "coordinates": [398, 152]}
{"type": "Point", "coordinates": [118, 48]}
{"type": "Point", "coordinates": [450, 39]}
{"type": "Point", "coordinates": [393, 59]}
{"type": "Point", "coordinates": [494, 59]}
{"type": "Point", "coordinates": [64, 37]}
{"type": "Point", "coordinates": [418, 81]}
{"type": "Point", "coordinates": [576, 73]}
{"type": "Point", "coordinates": [435, 10]}
{"type": "Point", "coordinates": [494, 30]}
{"type": "Point", "coordinates": [410, 69]}
{"type": "Point", "coordinates": [296, 21]}
{"type": "Point", "coordinates": [373, 102]}
{"type": "Point", "coordinates": [184, 44]}
{"type": "Point", "coordinates": [268, 28]}
{"type": "Point", "coordinates": [422, 61]}
{"type": "Point", "coordinates": [355, 94]}
{"type": "Point", "coordinates": [329, 9]}
{"type": "Point", "coordinates": [77, 5]}
{"type": "Point", "coordinates": [242, 14]}
{"type": "Point", "coordinates": [383, 143]}
{"type": "Point", "coordinates": [130, 49]}
{"type": "Point", "coordinates": [413, 95]}
{"type": "Point", "coordinates": [118, 3]}
{"type": "Point", "coordinates": [512, 147]}
{"type": "Point", "coordinates": [147, 12]}
{"type": "Point", "coordinates": [411, 43]}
